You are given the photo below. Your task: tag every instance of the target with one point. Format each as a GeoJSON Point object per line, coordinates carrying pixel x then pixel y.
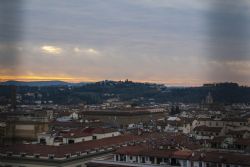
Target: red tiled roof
{"type": "Point", "coordinates": [208, 129]}
{"type": "Point", "coordinates": [243, 142]}
{"type": "Point", "coordinates": [75, 133]}
{"type": "Point", "coordinates": [222, 157]}
{"type": "Point", "coordinates": [218, 139]}
{"type": "Point", "coordinates": [60, 151]}
{"type": "Point", "coordinates": [65, 124]}
{"type": "Point", "coordinates": [180, 154]}
{"type": "Point", "coordinates": [241, 132]}
{"type": "Point", "coordinates": [132, 150]}
{"type": "Point", "coordinates": [215, 156]}
{"type": "Point", "coordinates": [99, 130]}
{"type": "Point", "coordinates": [234, 119]}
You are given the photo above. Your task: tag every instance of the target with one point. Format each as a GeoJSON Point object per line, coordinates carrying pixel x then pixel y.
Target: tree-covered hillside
{"type": "Point", "coordinates": [98, 92]}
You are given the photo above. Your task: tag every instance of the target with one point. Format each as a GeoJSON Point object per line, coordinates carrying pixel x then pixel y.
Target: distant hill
{"type": "Point", "coordinates": [41, 83]}
{"type": "Point", "coordinates": [133, 92]}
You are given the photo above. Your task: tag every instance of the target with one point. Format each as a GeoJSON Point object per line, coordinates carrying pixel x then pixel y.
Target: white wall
{"type": "Point", "coordinates": [105, 135]}
{"type": "Point", "coordinates": [78, 139]}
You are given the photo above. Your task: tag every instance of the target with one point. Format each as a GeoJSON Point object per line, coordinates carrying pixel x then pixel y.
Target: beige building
{"type": "Point", "coordinates": [68, 155]}
{"type": "Point", "coordinates": [25, 130]}
{"type": "Point", "coordinates": [122, 119]}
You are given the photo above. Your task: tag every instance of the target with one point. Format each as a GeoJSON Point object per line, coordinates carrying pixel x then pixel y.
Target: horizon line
{"type": "Point", "coordinates": [135, 81]}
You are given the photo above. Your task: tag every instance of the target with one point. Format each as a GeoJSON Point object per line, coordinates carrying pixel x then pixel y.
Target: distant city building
{"type": "Point", "coordinates": [209, 99]}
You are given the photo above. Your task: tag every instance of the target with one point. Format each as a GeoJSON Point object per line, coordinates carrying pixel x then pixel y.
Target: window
{"type": "Point", "coordinates": [23, 154]}
{"type": "Point", "coordinates": [143, 159]}
{"type": "Point", "coordinates": [42, 141]}
{"type": "Point", "coordinates": [71, 141]}
{"type": "Point", "coordinates": [152, 159]}
{"type": "Point", "coordinates": [37, 155]}
{"type": "Point", "coordinates": [122, 157]}
{"type": "Point", "coordinates": [51, 156]}
{"type": "Point", "coordinates": [185, 163]}
{"type": "Point", "coordinates": [9, 154]}
{"type": "Point", "coordinates": [78, 153]}
{"type": "Point", "coordinates": [67, 156]}
{"type": "Point", "coordinates": [200, 164]}
{"type": "Point", "coordinates": [94, 137]}
{"type": "Point", "coordinates": [166, 160]}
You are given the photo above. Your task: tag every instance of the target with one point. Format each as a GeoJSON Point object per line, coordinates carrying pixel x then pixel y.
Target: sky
{"type": "Point", "coordinates": [175, 42]}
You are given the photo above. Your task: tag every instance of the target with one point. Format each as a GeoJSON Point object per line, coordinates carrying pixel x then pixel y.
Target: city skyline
{"type": "Point", "coordinates": [178, 42]}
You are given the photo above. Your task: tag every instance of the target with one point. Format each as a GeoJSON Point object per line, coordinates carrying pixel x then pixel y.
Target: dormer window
{"type": "Point", "coordinates": [9, 154]}
{"type": "Point", "coordinates": [78, 153]}
{"type": "Point", "coordinates": [67, 156]}
{"type": "Point", "coordinates": [94, 137]}
{"type": "Point", "coordinates": [23, 154]}
{"type": "Point", "coordinates": [37, 155]}
{"type": "Point", "coordinates": [51, 156]}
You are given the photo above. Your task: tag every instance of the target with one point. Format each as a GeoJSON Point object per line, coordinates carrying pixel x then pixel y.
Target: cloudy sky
{"type": "Point", "coordinates": [176, 42]}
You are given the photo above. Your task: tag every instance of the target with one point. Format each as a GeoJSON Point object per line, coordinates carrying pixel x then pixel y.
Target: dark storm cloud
{"type": "Point", "coordinates": [228, 23]}
{"type": "Point", "coordinates": [11, 24]}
